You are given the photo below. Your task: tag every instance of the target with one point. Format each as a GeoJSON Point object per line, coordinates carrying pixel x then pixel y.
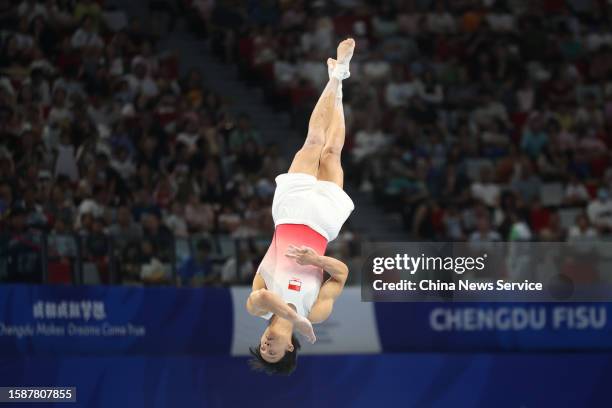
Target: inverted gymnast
{"type": "Point", "coordinates": [308, 209]}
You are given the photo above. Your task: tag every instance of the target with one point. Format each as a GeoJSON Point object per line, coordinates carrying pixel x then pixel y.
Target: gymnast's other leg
{"type": "Point", "coordinates": [307, 158]}
{"type": "Point", "coordinates": [330, 166]}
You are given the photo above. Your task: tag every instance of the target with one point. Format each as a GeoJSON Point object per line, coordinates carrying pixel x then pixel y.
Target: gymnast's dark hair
{"type": "Point", "coordinates": [284, 366]}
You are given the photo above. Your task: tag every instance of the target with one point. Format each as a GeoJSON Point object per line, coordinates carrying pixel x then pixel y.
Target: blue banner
{"type": "Point", "coordinates": [493, 326]}
{"type": "Point", "coordinates": [111, 320]}
{"type": "Point", "coordinates": [99, 320]}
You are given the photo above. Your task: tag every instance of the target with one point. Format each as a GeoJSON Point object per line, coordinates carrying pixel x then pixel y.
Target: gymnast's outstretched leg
{"type": "Point", "coordinates": [330, 166]}
{"type": "Point", "coordinates": [308, 157]}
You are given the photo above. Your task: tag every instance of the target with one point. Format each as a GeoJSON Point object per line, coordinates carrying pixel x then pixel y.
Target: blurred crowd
{"type": "Point", "coordinates": [110, 160]}
{"type": "Point", "coordinates": [473, 119]}
{"type": "Point", "coordinates": [477, 120]}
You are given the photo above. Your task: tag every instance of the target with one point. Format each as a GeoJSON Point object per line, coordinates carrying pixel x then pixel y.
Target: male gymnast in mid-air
{"type": "Point", "coordinates": [308, 209]}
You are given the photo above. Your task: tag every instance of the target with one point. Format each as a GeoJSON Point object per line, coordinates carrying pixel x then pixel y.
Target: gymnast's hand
{"type": "Point", "coordinates": [304, 327]}
{"type": "Point", "coordinates": [303, 255]}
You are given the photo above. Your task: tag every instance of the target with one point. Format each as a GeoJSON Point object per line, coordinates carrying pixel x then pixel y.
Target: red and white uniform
{"type": "Point", "coordinates": [307, 212]}
{"type": "Point", "coordinates": [296, 284]}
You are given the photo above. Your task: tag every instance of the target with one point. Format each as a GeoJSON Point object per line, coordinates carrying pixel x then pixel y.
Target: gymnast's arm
{"type": "Point", "coordinates": [331, 289]}
{"type": "Point", "coordinates": [262, 301]}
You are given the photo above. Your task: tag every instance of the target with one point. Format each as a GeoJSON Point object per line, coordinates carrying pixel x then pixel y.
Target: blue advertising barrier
{"type": "Point", "coordinates": [169, 347]}
{"type": "Point", "coordinates": [494, 326]}
{"type": "Point", "coordinates": [112, 320]}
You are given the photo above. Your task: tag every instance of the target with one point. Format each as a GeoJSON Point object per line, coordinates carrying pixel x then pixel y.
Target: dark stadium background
{"type": "Point", "coordinates": [139, 142]}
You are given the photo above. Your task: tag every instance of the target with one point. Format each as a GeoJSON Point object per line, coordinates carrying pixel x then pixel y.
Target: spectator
{"type": "Point", "coordinates": [24, 249]}
{"type": "Point", "coordinates": [97, 247]}
{"type": "Point", "coordinates": [368, 141]}
{"type": "Point", "coordinates": [399, 90]}
{"type": "Point", "coordinates": [94, 205]}
{"type": "Point", "coordinates": [66, 163]}
{"type": "Point", "coordinates": [527, 185]}
{"type": "Point", "coordinates": [124, 231]}
{"type": "Point", "coordinates": [152, 270]}
{"type": "Point", "coordinates": [189, 136]}
{"type": "Point", "coordinates": [198, 268]}
{"type": "Point", "coordinates": [175, 221]}
{"type": "Point", "coordinates": [140, 80]}
{"type": "Point", "coordinates": [582, 231]}
{"type": "Point", "coordinates": [249, 160]}
{"type": "Point", "coordinates": [599, 210]}
{"type": "Point", "coordinates": [159, 236]}
{"type": "Point", "coordinates": [553, 231]}
{"type": "Point", "coordinates": [238, 269]}
{"type": "Point", "coordinates": [243, 133]}
{"type": "Point", "coordinates": [484, 233]}
{"type": "Point", "coordinates": [453, 227]}
{"type": "Point", "coordinates": [486, 190]}
{"type": "Point", "coordinates": [60, 241]}
{"type": "Point", "coordinates": [200, 217]}
{"type": "Point", "coordinates": [489, 110]}
{"type": "Point", "coordinates": [575, 192]}
{"type": "Point", "coordinates": [273, 163]}
{"type": "Point", "coordinates": [441, 21]}
{"type": "Point", "coordinates": [122, 163]}
{"type": "Point", "coordinates": [534, 138]}
{"type": "Point", "coordinates": [86, 37]}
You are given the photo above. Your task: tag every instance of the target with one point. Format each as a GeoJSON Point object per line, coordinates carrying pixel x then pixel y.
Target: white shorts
{"type": "Point", "coordinates": [302, 199]}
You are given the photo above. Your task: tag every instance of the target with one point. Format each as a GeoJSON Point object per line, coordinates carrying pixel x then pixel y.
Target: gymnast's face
{"type": "Point", "coordinates": [274, 343]}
